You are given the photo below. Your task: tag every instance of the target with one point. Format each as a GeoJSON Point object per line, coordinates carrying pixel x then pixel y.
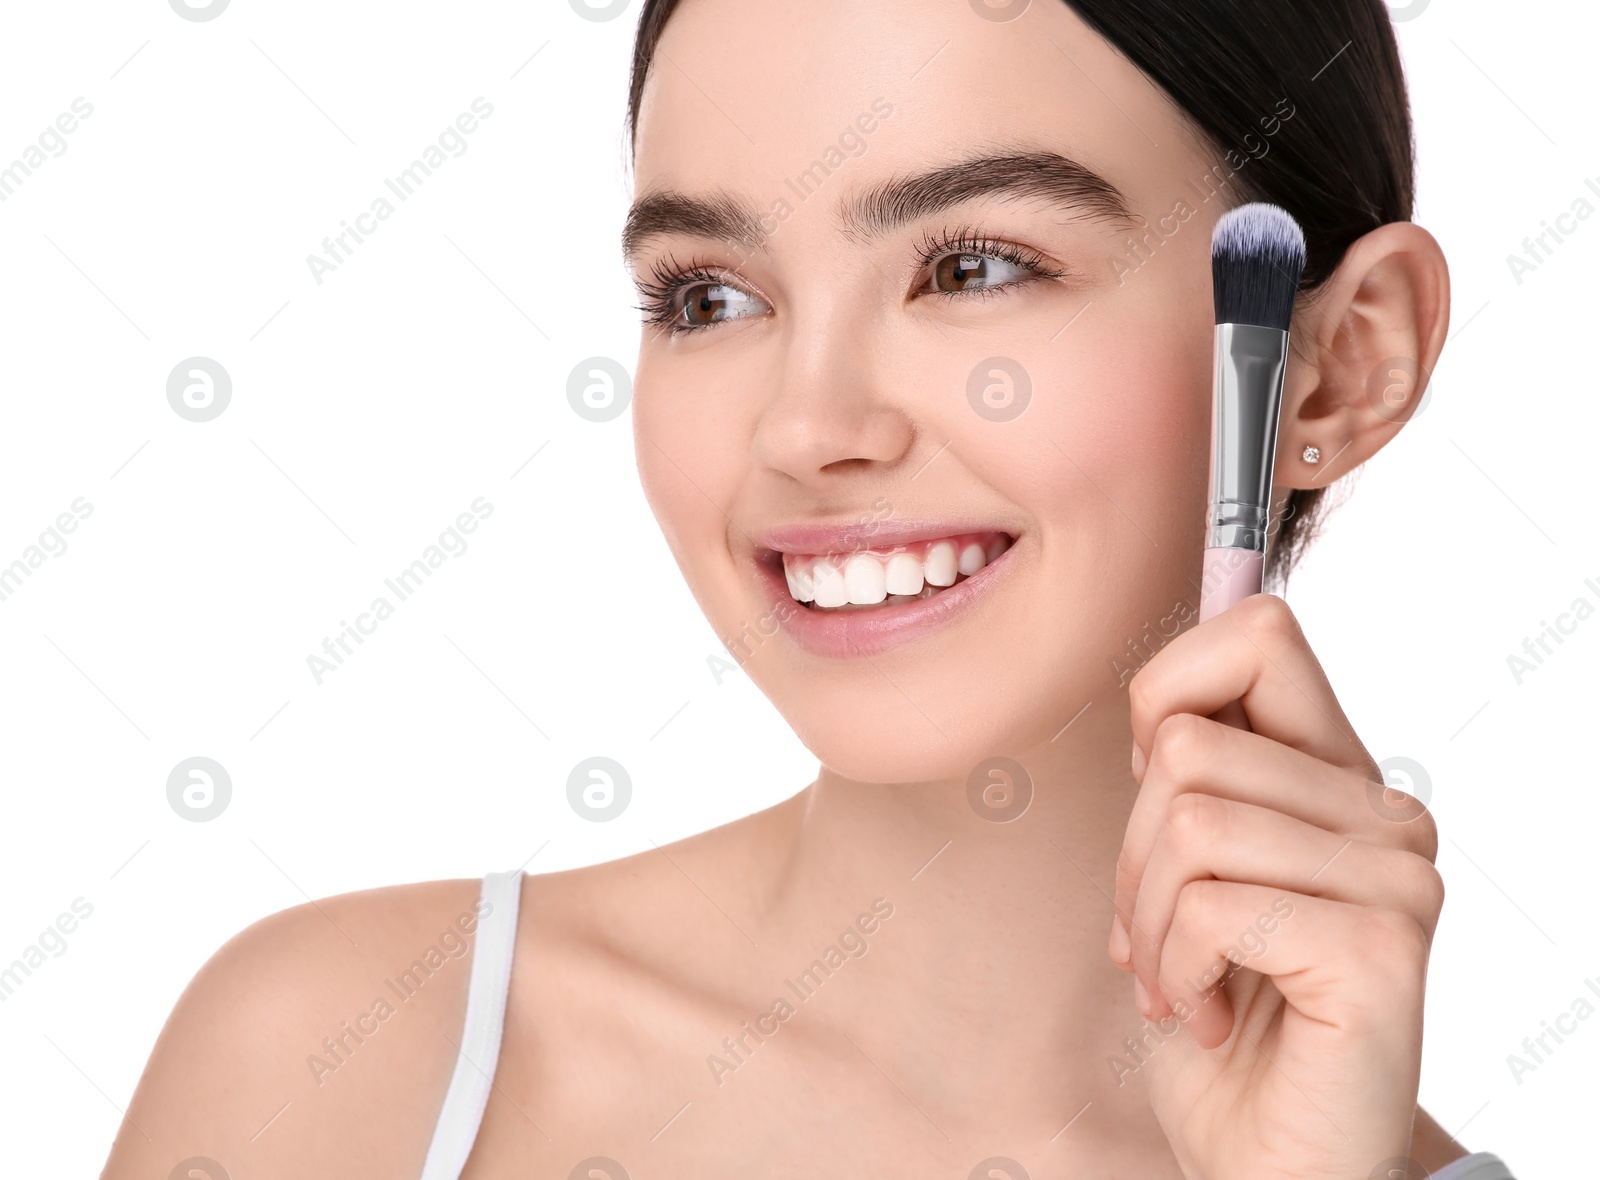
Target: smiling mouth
{"type": "Point", "coordinates": [872, 578]}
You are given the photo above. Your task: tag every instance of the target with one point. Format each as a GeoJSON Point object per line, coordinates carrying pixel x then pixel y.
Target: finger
{"type": "Point", "coordinates": [1196, 754]}
{"type": "Point", "coordinates": [1232, 714]}
{"type": "Point", "coordinates": [1349, 972]}
{"type": "Point", "coordinates": [1254, 653]}
{"type": "Point", "coordinates": [1208, 838]}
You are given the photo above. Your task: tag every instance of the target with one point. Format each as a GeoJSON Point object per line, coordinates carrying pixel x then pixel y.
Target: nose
{"type": "Point", "coordinates": [834, 413]}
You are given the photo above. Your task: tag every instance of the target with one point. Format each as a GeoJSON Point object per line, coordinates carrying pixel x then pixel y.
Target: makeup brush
{"type": "Point", "coordinates": [1258, 252]}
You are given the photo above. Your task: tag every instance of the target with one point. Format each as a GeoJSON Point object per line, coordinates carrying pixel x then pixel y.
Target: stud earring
{"type": "Point", "coordinates": [1311, 454]}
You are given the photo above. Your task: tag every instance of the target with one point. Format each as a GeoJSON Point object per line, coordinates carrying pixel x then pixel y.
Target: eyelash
{"type": "Point", "coordinates": [968, 240]}
{"type": "Point", "coordinates": [668, 277]}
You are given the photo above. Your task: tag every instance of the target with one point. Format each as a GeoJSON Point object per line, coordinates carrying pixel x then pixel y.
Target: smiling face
{"type": "Point", "coordinates": [912, 356]}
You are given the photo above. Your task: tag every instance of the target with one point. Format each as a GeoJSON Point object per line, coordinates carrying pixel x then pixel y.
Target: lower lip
{"type": "Point", "coordinates": [844, 634]}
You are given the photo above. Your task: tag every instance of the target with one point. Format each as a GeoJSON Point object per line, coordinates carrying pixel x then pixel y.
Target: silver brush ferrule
{"type": "Point", "coordinates": [1250, 363]}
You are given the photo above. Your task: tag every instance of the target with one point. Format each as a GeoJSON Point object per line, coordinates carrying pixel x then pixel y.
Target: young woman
{"type": "Point", "coordinates": [927, 291]}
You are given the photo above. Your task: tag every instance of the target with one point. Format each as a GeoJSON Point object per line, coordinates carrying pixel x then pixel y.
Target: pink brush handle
{"type": "Point", "coordinates": [1229, 576]}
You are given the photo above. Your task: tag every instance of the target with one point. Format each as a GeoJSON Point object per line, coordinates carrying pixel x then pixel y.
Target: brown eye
{"type": "Point", "coordinates": [705, 304]}
{"type": "Point", "coordinates": [968, 272]}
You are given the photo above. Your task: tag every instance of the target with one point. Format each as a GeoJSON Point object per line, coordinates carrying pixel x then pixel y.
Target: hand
{"type": "Point", "coordinates": [1276, 849]}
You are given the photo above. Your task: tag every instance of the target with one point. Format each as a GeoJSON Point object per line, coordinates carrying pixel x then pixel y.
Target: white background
{"type": "Point", "coordinates": [369, 410]}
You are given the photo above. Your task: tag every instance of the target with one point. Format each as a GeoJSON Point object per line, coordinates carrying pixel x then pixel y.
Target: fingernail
{"type": "Point", "coordinates": [1140, 996]}
{"type": "Point", "coordinates": [1121, 947]}
{"type": "Point", "coordinates": [1138, 763]}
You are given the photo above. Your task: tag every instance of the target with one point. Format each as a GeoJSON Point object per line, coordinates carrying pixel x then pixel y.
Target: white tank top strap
{"type": "Point", "coordinates": [473, 1077]}
{"type": "Point", "coordinates": [490, 983]}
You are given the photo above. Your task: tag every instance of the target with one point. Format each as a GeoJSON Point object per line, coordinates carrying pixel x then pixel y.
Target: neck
{"type": "Point", "coordinates": [991, 975]}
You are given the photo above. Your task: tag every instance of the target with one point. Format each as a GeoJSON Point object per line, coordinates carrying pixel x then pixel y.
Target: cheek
{"type": "Point", "coordinates": [1115, 435]}
{"type": "Point", "coordinates": [669, 471]}
{"type": "Point", "coordinates": [691, 457]}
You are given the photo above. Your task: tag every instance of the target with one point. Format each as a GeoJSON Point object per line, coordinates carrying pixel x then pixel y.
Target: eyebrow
{"type": "Point", "coordinates": [891, 204]}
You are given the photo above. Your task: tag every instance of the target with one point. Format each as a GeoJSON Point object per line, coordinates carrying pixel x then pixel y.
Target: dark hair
{"type": "Point", "coordinates": [1342, 165]}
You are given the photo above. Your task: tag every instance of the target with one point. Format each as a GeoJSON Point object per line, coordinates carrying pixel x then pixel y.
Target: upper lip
{"type": "Point", "coordinates": [858, 535]}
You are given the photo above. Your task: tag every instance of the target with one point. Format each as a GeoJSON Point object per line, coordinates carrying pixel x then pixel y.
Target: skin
{"type": "Point", "coordinates": [982, 1017]}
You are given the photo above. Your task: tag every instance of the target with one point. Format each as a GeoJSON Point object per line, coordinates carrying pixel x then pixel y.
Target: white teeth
{"type": "Point", "coordinates": [903, 575]}
{"type": "Point", "coordinates": [940, 565]}
{"type": "Point", "coordinates": [800, 582]}
{"type": "Point", "coordinates": [864, 580]}
{"type": "Point", "coordinates": [828, 585]}
{"type": "Point", "coordinates": [871, 578]}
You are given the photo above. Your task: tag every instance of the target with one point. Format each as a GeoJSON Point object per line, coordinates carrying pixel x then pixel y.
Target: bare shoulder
{"type": "Point", "coordinates": [319, 1040]}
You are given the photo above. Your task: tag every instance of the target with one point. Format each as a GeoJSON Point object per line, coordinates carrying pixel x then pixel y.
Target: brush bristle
{"type": "Point", "coordinates": [1257, 254]}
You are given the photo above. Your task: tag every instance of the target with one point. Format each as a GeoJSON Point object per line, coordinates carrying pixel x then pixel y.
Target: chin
{"type": "Point", "coordinates": [930, 714]}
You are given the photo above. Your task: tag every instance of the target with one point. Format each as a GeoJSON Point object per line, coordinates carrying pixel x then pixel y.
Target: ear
{"type": "Point", "coordinates": [1362, 348]}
